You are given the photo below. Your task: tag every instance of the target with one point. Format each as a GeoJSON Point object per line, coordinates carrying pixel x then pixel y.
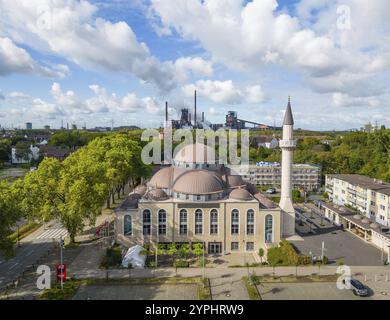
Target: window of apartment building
{"type": "Point", "coordinates": [383, 197]}
{"type": "Point", "coordinates": [214, 221]}
{"type": "Point", "coordinates": [235, 221]}
{"type": "Point", "coordinates": [198, 221]}
{"type": "Point", "coordinates": [372, 213]}
{"type": "Point", "coordinates": [373, 193]}
{"type": "Point", "coordinates": [146, 222]}
{"type": "Point", "coordinates": [250, 222]}
{"type": "Point", "coordinates": [268, 228]}
{"type": "Point", "coordinates": [183, 222]}
{"type": "Point", "coordinates": [162, 222]}
{"type": "Point", "coordinates": [382, 217]}
{"type": "Point", "coordinates": [382, 207]}
{"type": "Point", "coordinates": [373, 203]}
{"type": "Point", "coordinates": [250, 246]}
{"type": "Point", "coordinates": [127, 225]}
{"type": "Point", "coordinates": [234, 246]}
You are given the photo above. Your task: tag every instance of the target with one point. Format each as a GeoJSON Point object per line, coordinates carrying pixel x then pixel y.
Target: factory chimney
{"type": "Point", "coordinates": [195, 124]}
{"type": "Point", "coordinates": [202, 116]}
{"type": "Point", "coordinates": [166, 113]}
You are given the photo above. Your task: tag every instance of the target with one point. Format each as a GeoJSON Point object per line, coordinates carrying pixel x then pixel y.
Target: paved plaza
{"type": "Point", "coordinates": [340, 245]}
{"type": "Point", "coordinates": [305, 291]}
{"type": "Point", "coordinates": [138, 292]}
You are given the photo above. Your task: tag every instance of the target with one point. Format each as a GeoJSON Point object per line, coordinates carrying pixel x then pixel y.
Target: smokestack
{"type": "Point", "coordinates": [189, 118]}
{"type": "Point", "coordinates": [202, 116]}
{"type": "Point", "coordinates": [195, 111]}
{"type": "Point", "coordinates": [166, 113]}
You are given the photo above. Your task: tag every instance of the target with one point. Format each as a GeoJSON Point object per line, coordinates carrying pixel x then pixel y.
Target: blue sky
{"type": "Point", "coordinates": [97, 61]}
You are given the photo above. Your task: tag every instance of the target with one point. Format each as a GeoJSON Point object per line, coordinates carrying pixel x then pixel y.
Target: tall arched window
{"type": "Point", "coordinates": [214, 221]}
{"type": "Point", "coordinates": [250, 222]}
{"type": "Point", "coordinates": [198, 221]}
{"type": "Point", "coordinates": [162, 222]}
{"type": "Point", "coordinates": [235, 219]}
{"type": "Point", "coordinates": [127, 225]}
{"type": "Point", "coordinates": [268, 228]}
{"type": "Point", "coordinates": [146, 222]}
{"type": "Point", "coordinates": [183, 222]}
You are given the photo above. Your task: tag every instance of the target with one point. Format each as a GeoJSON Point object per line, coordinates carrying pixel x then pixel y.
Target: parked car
{"type": "Point", "coordinates": [358, 288]}
{"type": "Point", "coordinates": [271, 191]}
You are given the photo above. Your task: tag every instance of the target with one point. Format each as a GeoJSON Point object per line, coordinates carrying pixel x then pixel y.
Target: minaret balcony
{"type": "Point", "coordinates": [287, 143]}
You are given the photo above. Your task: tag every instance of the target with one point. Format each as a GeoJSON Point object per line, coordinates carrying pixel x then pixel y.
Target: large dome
{"type": "Point", "coordinates": [196, 153]}
{"type": "Point", "coordinates": [198, 182]}
{"type": "Point", "coordinates": [162, 178]}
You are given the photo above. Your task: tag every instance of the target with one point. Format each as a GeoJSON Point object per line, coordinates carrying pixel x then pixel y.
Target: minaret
{"type": "Point", "coordinates": [287, 144]}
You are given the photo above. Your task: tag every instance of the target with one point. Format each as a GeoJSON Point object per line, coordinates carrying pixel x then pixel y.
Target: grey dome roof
{"type": "Point", "coordinates": [157, 194]}
{"type": "Point", "coordinates": [357, 217]}
{"type": "Point", "coordinates": [234, 181]}
{"type": "Point", "coordinates": [198, 182]}
{"type": "Point", "coordinates": [161, 179]}
{"type": "Point", "coordinates": [240, 194]}
{"type": "Point", "coordinates": [141, 189]}
{"type": "Point", "coordinates": [196, 153]}
{"type": "Point", "coordinates": [365, 220]}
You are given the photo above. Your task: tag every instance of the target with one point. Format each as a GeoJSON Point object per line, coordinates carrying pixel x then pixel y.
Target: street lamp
{"type": "Point", "coordinates": [204, 249]}
{"type": "Point", "coordinates": [62, 242]}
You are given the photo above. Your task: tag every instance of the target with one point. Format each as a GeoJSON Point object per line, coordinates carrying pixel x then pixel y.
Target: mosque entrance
{"type": "Point", "coordinates": [215, 247]}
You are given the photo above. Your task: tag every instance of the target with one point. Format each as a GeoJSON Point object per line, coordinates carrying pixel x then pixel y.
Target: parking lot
{"type": "Point", "coordinates": [138, 292]}
{"type": "Point", "coordinates": [305, 291]}
{"type": "Point", "coordinates": [339, 245]}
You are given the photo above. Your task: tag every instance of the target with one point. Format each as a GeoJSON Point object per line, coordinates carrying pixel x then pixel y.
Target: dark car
{"type": "Point", "coordinates": [358, 288]}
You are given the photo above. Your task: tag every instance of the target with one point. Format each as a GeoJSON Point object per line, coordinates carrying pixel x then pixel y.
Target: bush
{"type": "Point", "coordinates": [112, 258]}
{"type": "Point", "coordinates": [181, 264]}
{"type": "Point", "coordinates": [284, 255]}
{"type": "Point", "coordinates": [325, 260]}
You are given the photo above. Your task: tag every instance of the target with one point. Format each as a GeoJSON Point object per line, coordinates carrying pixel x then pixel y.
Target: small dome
{"type": "Point", "coordinates": [196, 153]}
{"type": "Point", "coordinates": [141, 190]}
{"type": "Point", "coordinates": [342, 209]}
{"type": "Point", "coordinates": [158, 194]}
{"type": "Point", "coordinates": [161, 179]}
{"type": "Point", "coordinates": [240, 194]}
{"type": "Point", "coordinates": [235, 181]}
{"type": "Point", "coordinates": [365, 220]}
{"type": "Point", "coordinates": [374, 225]}
{"type": "Point", "coordinates": [357, 217]}
{"type": "Point", "coordinates": [198, 182]}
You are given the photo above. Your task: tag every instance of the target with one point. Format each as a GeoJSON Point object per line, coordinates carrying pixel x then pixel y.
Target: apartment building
{"type": "Point", "coordinates": [370, 196]}
{"type": "Point", "coordinates": [306, 176]}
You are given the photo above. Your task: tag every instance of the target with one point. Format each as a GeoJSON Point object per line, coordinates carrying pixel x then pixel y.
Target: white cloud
{"type": "Point", "coordinates": [224, 92]}
{"type": "Point", "coordinates": [196, 65]}
{"type": "Point", "coordinates": [250, 35]}
{"type": "Point", "coordinates": [344, 100]}
{"type": "Point", "coordinates": [14, 59]}
{"type": "Point", "coordinates": [69, 28]}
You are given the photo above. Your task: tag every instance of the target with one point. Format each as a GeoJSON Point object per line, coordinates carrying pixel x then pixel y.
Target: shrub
{"type": "Point", "coordinates": [181, 264]}
{"type": "Point", "coordinates": [285, 255]}
{"type": "Point", "coordinates": [325, 260]}
{"type": "Point", "coordinates": [112, 258]}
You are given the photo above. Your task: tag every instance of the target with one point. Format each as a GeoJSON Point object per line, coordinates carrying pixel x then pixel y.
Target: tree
{"type": "Point", "coordinates": [10, 213]}
{"type": "Point", "coordinates": [172, 250]}
{"type": "Point", "coordinates": [23, 151]}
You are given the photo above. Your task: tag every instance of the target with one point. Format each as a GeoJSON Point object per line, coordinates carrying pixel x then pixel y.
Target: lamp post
{"type": "Point", "coordinates": [204, 249]}
{"type": "Point", "coordinates": [62, 268]}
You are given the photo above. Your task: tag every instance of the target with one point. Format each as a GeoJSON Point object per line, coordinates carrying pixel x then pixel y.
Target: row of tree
{"type": "Point", "coordinates": [75, 190]}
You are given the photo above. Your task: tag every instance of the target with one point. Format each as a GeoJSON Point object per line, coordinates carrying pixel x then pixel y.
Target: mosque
{"type": "Point", "coordinates": [198, 200]}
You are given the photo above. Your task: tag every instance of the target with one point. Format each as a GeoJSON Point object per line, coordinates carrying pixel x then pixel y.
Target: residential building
{"type": "Point", "coordinates": [33, 154]}
{"type": "Point", "coordinates": [307, 176]}
{"type": "Point", "coordinates": [269, 142]}
{"type": "Point", "coordinates": [370, 196]}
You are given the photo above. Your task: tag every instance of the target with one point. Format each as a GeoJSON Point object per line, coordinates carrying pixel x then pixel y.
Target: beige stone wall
{"type": "Point", "coordinates": [224, 235]}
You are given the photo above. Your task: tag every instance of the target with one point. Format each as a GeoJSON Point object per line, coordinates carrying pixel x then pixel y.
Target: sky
{"type": "Point", "coordinates": [100, 62]}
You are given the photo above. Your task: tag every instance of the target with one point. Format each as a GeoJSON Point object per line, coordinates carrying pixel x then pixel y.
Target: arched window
{"type": "Point", "coordinates": [127, 225]}
{"type": "Point", "coordinates": [235, 219]}
{"type": "Point", "coordinates": [162, 222]}
{"type": "Point", "coordinates": [268, 228]}
{"type": "Point", "coordinates": [250, 222]}
{"type": "Point", "coordinates": [146, 222]}
{"type": "Point", "coordinates": [198, 221]}
{"type": "Point", "coordinates": [183, 222]}
{"type": "Point", "coordinates": [214, 221]}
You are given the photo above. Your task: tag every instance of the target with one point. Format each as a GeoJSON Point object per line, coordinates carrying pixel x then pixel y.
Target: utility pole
{"type": "Point", "coordinates": [62, 242]}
